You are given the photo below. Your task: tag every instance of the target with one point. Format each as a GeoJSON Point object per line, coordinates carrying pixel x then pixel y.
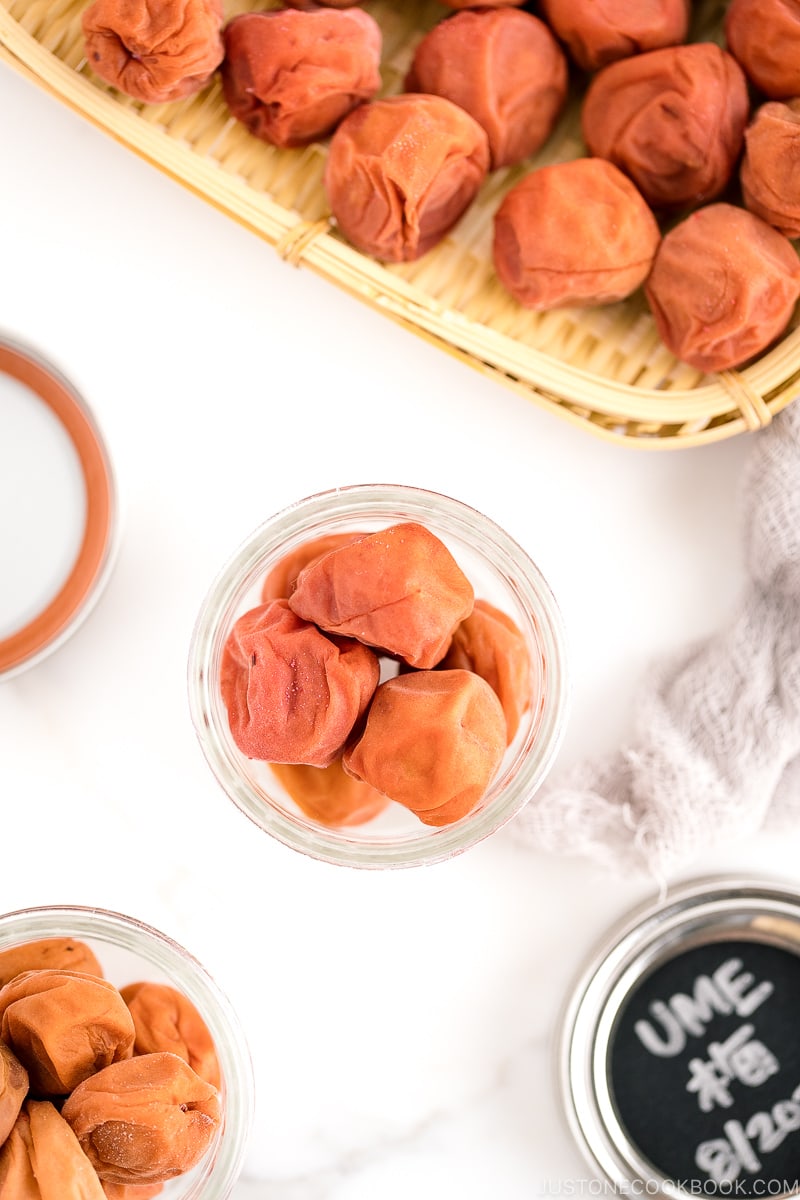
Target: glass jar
{"type": "Point", "coordinates": [500, 572]}
{"type": "Point", "coordinates": [129, 952]}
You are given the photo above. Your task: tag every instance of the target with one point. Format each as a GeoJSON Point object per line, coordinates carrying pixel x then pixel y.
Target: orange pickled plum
{"type": "Point", "coordinates": [292, 693]}
{"type": "Point", "coordinates": [489, 643]}
{"type": "Point", "coordinates": [433, 741]}
{"type": "Point", "coordinates": [165, 1019]}
{"type": "Point", "coordinates": [63, 1026]}
{"type": "Point", "coordinates": [17, 1180]}
{"type": "Point", "coordinates": [60, 1167]}
{"type": "Point", "coordinates": [145, 1120]}
{"type": "Point", "coordinates": [280, 582]}
{"type": "Point", "coordinates": [770, 170]}
{"type": "Point", "coordinates": [399, 590]}
{"type": "Point", "coordinates": [59, 953]}
{"type": "Point", "coordinates": [13, 1089]}
{"type": "Point", "coordinates": [329, 795]}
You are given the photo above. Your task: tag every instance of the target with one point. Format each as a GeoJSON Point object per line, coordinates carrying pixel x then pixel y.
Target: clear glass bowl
{"type": "Point", "coordinates": [500, 572]}
{"type": "Point", "coordinates": [129, 952]}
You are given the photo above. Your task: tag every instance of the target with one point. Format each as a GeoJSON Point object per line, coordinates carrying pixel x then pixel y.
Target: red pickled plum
{"type": "Point", "coordinates": [292, 694]}
{"type": "Point", "coordinates": [576, 233]}
{"type": "Point", "coordinates": [502, 66]}
{"type": "Point", "coordinates": [292, 76]}
{"type": "Point", "coordinates": [723, 286]}
{"type": "Point", "coordinates": [673, 120]}
{"type": "Point", "coordinates": [399, 590]}
{"type": "Point", "coordinates": [401, 171]}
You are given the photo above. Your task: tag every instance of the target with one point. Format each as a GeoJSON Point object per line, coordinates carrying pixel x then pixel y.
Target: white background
{"type": "Point", "coordinates": [400, 1023]}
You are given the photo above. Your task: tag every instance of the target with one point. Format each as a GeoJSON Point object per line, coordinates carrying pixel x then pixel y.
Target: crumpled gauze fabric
{"type": "Point", "coordinates": [715, 753]}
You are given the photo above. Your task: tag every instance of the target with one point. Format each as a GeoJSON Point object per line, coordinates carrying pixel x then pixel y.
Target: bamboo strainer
{"type": "Point", "coordinates": [604, 369]}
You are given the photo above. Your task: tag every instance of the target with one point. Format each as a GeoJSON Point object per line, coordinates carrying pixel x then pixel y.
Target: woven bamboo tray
{"type": "Point", "coordinates": [604, 369]}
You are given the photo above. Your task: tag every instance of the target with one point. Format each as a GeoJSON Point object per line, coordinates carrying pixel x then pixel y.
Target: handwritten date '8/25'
{"type": "Point", "coordinates": [725, 1158]}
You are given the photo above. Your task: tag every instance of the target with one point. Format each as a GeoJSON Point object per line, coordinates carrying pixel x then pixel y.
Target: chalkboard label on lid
{"type": "Point", "coordinates": [704, 1069]}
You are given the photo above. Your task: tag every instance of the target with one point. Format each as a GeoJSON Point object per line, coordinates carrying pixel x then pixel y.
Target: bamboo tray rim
{"type": "Point", "coordinates": [748, 398]}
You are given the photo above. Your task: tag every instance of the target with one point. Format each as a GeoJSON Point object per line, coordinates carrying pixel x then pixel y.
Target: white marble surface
{"type": "Point", "coordinates": [400, 1023]}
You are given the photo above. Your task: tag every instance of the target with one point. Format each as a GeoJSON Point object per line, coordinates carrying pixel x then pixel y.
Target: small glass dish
{"type": "Point", "coordinates": [500, 572]}
{"type": "Point", "coordinates": [129, 952]}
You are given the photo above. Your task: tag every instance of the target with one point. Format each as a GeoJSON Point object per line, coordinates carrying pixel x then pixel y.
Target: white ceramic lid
{"type": "Point", "coordinates": [57, 508]}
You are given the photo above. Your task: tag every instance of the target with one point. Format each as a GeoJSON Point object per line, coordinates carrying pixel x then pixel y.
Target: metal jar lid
{"type": "Point", "coordinates": [679, 1049]}
{"type": "Point", "coordinates": [43, 619]}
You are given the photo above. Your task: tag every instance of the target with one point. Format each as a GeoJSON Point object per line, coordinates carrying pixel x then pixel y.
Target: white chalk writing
{"type": "Point", "coordinates": [728, 990]}
{"type": "Point", "coordinates": [740, 1057]}
{"type": "Point", "coordinates": [743, 1146]}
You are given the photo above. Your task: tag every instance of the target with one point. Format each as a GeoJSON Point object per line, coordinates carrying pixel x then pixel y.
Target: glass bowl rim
{"type": "Point", "coordinates": [365, 500]}
{"type": "Point", "coordinates": [131, 933]}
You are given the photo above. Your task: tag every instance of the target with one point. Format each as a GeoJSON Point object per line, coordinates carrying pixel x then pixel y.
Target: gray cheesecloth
{"type": "Point", "coordinates": [715, 752]}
